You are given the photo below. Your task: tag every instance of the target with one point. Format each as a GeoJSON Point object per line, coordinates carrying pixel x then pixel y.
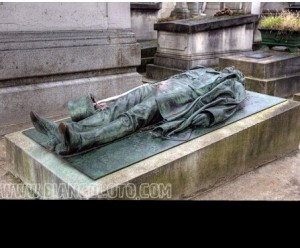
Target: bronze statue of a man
{"type": "Point", "coordinates": [200, 97]}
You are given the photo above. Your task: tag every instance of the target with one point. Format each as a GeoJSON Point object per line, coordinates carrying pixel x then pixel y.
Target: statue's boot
{"type": "Point", "coordinates": [78, 141]}
{"type": "Point", "coordinates": [46, 127]}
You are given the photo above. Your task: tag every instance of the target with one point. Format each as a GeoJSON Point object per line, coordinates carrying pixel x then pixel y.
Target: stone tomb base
{"type": "Point", "coordinates": [177, 173]}
{"type": "Point", "coordinates": [277, 74]}
{"type": "Point", "coordinates": [184, 44]}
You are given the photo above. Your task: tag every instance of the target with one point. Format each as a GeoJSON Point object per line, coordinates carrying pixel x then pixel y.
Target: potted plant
{"type": "Point", "coordinates": [281, 30]}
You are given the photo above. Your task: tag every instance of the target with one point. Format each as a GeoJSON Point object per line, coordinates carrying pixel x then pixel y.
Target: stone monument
{"type": "Point", "coordinates": [269, 72]}
{"type": "Point", "coordinates": [183, 44]}
{"type": "Point", "coordinates": [54, 52]}
{"type": "Point", "coordinates": [198, 98]}
{"type": "Point", "coordinates": [176, 169]}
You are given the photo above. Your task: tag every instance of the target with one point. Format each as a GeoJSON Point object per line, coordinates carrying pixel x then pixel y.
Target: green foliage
{"type": "Point", "coordinates": [284, 21]}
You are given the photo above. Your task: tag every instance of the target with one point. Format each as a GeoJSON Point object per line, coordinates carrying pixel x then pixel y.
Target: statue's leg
{"type": "Point", "coordinates": [139, 116]}
{"type": "Point", "coordinates": [48, 128]}
{"type": "Point", "coordinates": [119, 106]}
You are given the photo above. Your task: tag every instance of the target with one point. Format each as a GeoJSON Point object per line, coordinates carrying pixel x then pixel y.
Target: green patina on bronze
{"type": "Point", "coordinates": [199, 97]}
{"type": "Point", "coordinates": [142, 144]}
{"type": "Point", "coordinates": [81, 108]}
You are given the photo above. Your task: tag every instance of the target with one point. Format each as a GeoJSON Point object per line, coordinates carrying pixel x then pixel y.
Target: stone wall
{"type": "Point", "coordinates": [144, 15]}
{"type": "Point", "coordinates": [54, 52]}
{"type": "Point", "coordinates": [63, 16]}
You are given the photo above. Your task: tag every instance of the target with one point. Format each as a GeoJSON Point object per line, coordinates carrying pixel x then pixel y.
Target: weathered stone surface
{"type": "Point", "coordinates": [118, 14]}
{"type": "Point", "coordinates": [189, 168]}
{"type": "Point", "coordinates": [296, 97]}
{"type": "Point", "coordinates": [276, 181]}
{"type": "Point", "coordinates": [278, 65]}
{"type": "Point", "coordinates": [160, 72]}
{"type": "Point", "coordinates": [39, 54]}
{"type": "Point", "coordinates": [52, 16]}
{"type": "Point", "coordinates": [232, 39]}
{"type": "Point", "coordinates": [282, 86]}
{"type": "Point", "coordinates": [187, 62]}
{"type": "Point", "coordinates": [194, 43]}
{"type": "Point", "coordinates": [50, 99]}
{"type": "Point", "coordinates": [204, 24]}
{"type": "Point", "coordinates": [277, 75]}
{"type": "Point", "coordinates": [143, 17]}
{"type": "Point", "coordinates": [71, 50]}
{"type": "Point", "coordinates": [63, 16]}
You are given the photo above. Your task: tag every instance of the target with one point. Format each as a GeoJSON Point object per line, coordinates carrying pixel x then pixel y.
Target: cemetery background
{"type": "Point", "coordinates": [277, 180]}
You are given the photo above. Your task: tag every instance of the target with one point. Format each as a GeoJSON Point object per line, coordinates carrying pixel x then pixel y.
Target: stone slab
{"type": "Point", "coordinates": [50, 99]}
{"type": "Point", "coordinates": [141, 145]}
{"type": "Point", "coordinates": [32, 54]}
{"type": "Point", "coordinates": [177, 173]}
{"type": "Point", "coordinates": [64, 16]}
{"type": "Point", "coordinates": [64, 38]}
{"type": "Point", "coordinates": [52, 16]}
{"type": "Point", "coordinates": [231, 39]}
{"type": "Point", "coordinates": [187, 62]}
{"type": "Point", "coordinates": [284, 86]}
{"type": "Point", "coordinates": [296, 97]}
{"type": "Point", "coordinates": [278, 65]}
{"type": "Point", "coordinates": [184, 44]}
{"type": "Point", "coordinates": [205, 23]}
{"type": "Point", "coordinates": [181, 50]}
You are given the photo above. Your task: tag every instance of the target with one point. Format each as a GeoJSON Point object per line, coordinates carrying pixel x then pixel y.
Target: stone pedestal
{"type": "Point", "coordinates": [184, 44]}
{"type": "Point", "coordinates": [177, 173]}
{"type": "Point", "coordinates": [54, 52]}
{"type": "Point", "coordinates": [272, 73]}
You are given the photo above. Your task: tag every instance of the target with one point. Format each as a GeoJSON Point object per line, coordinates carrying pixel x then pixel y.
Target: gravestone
{"type": "Point", "coordinates": [261, 133]}
{"type": "Point", "coordinates": [183, 44]}
{"type": "Point", "coordinates": [273, 73]}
